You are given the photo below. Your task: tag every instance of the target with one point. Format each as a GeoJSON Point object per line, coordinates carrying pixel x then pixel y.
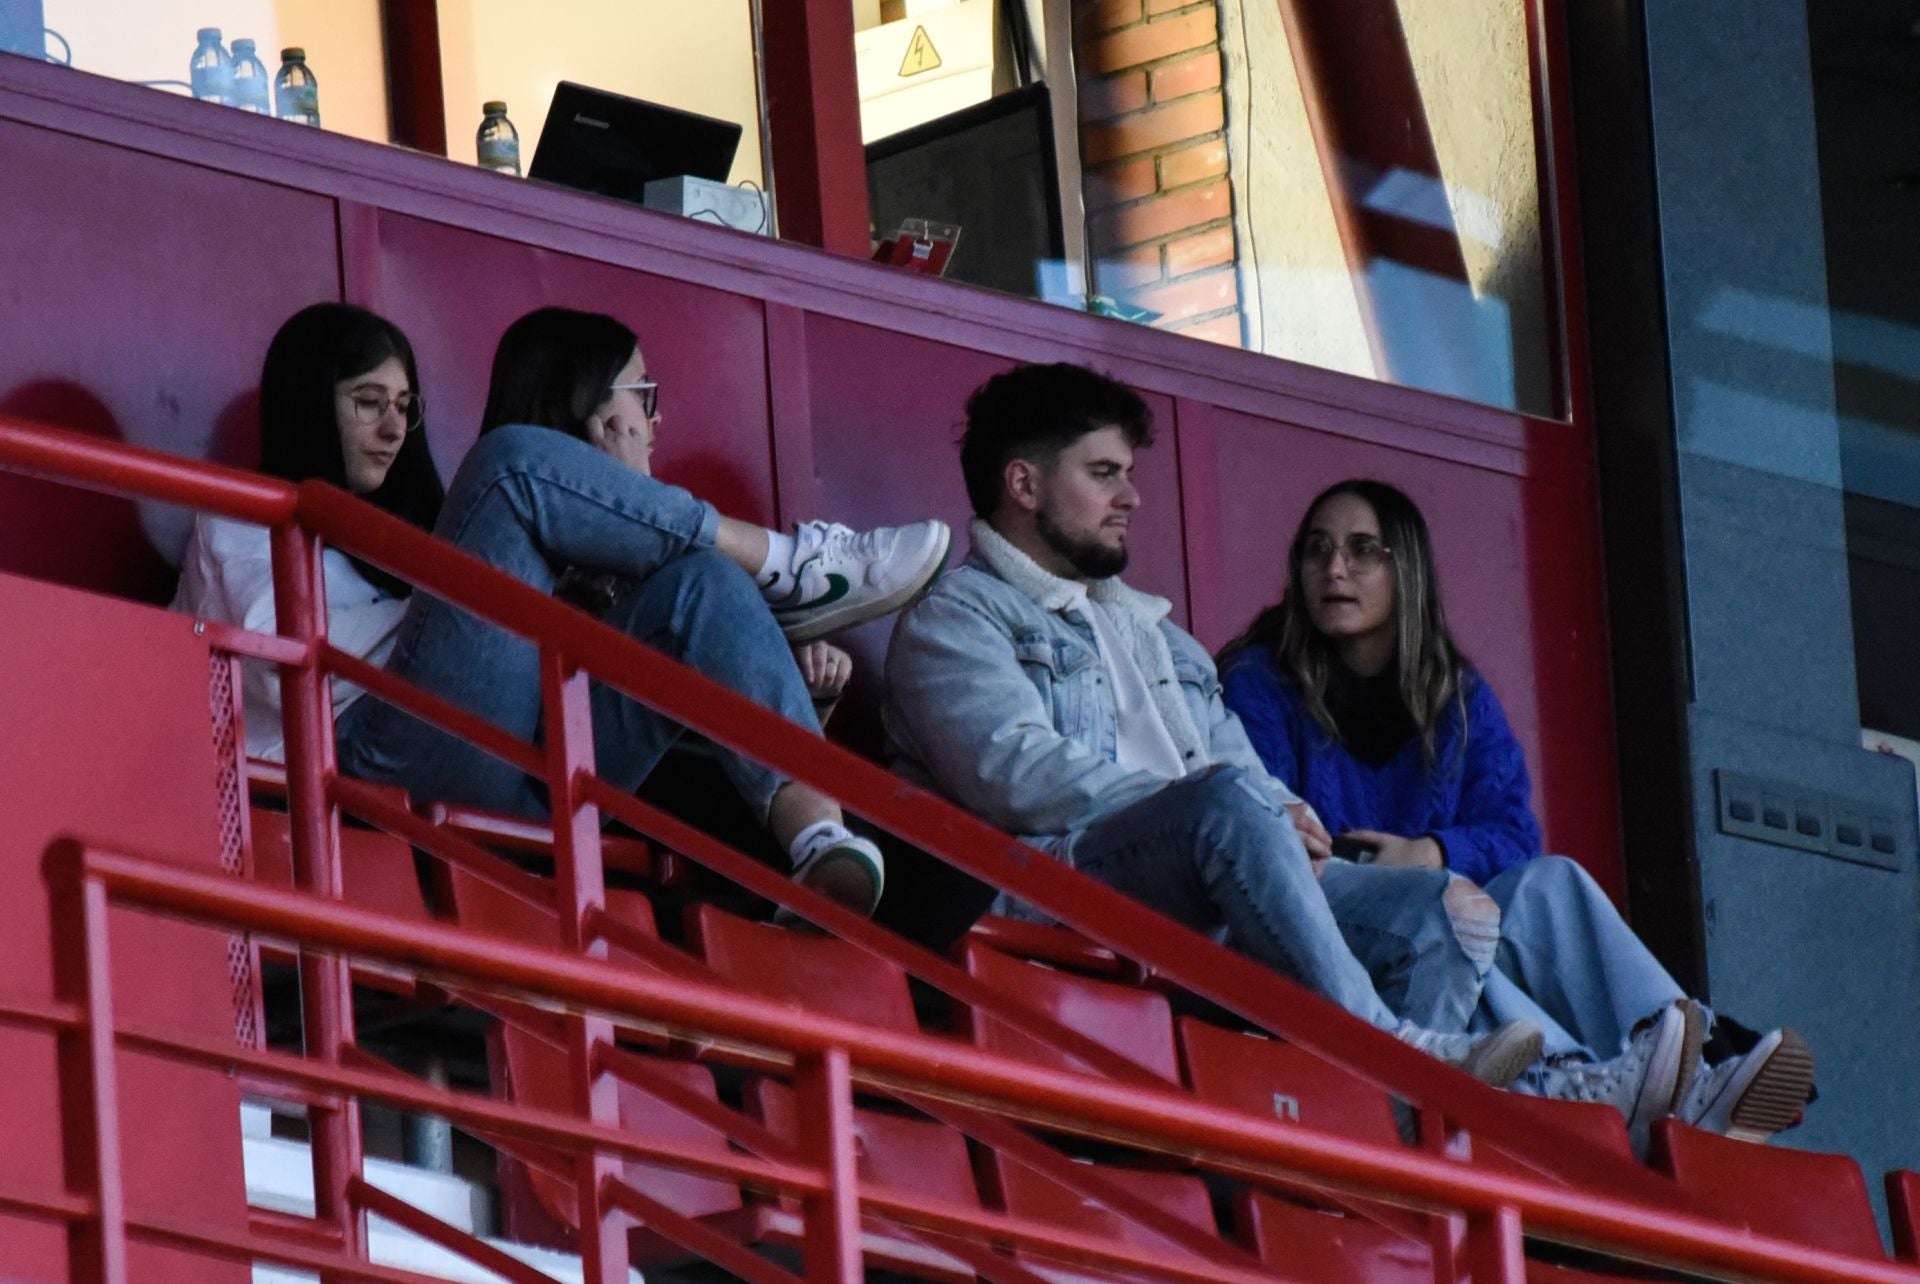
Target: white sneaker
{"type": "Point", "coordinates": [843, 577]}
{"type": "Point", "coordinates": [843, 867]}
{"type": "Point", "coordinates": [1754, 1096]}
{"type": "Point", "coordinates": [1496, 1058]}
{"type": "Point", "coordinates": [1646, 1082]}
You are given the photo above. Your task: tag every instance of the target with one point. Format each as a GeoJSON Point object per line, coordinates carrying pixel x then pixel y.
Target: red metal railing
{"type": "Point", "coordinates": [1639, 1215]}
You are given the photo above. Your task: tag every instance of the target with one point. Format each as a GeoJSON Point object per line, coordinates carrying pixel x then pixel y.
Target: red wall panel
{"type": "Point", "coordinates": [107, 736]}
{"type": "Point", "coordinates": [454, 291]}
{"type": "Point", "coordinates": [139, 296]}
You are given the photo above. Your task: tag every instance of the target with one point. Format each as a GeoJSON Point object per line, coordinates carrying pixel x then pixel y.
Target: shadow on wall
{"type": "Point", "coordinates": [75, 537]}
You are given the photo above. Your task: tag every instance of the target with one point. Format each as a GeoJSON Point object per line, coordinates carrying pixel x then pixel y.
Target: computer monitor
{"type": "Point", "coordinates": [603, 142]}
{"type": "Point", "coordinates": [988, 168]}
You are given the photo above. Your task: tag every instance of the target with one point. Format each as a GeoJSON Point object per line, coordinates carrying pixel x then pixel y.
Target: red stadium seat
{"type": "Point", "coordinates": [1024, 1193]}
{"type": "Point", "coordinates": [1272, 1079]}
{"type": "Point", "coordinates": [815, 972]}
{"type": "Point", "coordinates": [1329, 1247]}
{"type": "Point", "coordinates": [1815, 1198]}
{"type": "Point", "coordinates": [1137, 1024]}
{"type": "Point", "coordinates": [927, 1159]}
{"type": "Point", "coordinates": [1061, 946]}
{"type": "Point", "coordinates": [535, 1074]}
{"type": "Point", "coordinates": [376, 869]}
{"type": "Point", "coordinates": [1903, 1210]}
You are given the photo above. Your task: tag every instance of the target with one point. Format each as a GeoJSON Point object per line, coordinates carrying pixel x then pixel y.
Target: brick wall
{"type": "Point", "coordinates": [1152, 138]}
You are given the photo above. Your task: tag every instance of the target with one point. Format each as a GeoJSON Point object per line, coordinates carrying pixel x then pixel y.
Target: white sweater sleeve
{"type": "Point", "coordinates": [227, 575]}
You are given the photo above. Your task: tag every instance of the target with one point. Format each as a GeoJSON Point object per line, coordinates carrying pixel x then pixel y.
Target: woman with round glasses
{"type": "Point", "coordinates": [560, 477]}
{"type": "Point", "coordinates": [1354, 692]}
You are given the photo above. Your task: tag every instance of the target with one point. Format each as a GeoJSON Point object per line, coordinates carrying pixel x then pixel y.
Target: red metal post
{"type": "Point", "coordinates": [581, 895]}
{"type": "Point", "coordinates": [832, 1245]}
{"type": "Point", "coordinates": [1498, 1255]}
{"type": "Point", "coordinates": [326, 983]}
{"type": "Point", "coordinates": [97, 1242]}
{"type": "Point", "coordinates": [1446, 1232]}
{"type": "Point", "coordinates": [813, 119]}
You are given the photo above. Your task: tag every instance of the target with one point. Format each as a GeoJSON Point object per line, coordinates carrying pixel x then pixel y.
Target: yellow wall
{"type": "Point", "coordinates": [144, 40]}
{"type": "Point", "coordinates": [697, 56]}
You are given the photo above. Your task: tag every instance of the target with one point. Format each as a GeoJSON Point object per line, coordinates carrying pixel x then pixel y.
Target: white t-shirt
{"type": "Point", "coordinates": [227, 575]}
{"type": "Point", "coordinates": [1144, 742]}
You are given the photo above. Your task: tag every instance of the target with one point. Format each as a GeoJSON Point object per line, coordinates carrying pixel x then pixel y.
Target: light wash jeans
{"type": "Point", "coordinates": [531, 501]}
{"type": "Point", "coordinates": [1569, 962]}
{"type": "Point", "coordinates": [1215, 850]}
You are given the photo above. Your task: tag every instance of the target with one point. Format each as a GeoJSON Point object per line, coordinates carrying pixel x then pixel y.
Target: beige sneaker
{"type": "Point", "coordinates": [1496, 1058]}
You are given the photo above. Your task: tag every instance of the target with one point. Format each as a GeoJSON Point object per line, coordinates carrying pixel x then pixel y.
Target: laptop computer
{"type": "Point", "coordinates": [598, 141]}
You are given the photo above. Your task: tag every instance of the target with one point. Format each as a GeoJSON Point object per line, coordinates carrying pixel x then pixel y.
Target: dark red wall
{"type": "Point", "coordinates": [147, 263]}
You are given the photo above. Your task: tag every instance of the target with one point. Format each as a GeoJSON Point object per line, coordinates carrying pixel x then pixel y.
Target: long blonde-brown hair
{"type": "Point", "coordinates": [1429, 663]}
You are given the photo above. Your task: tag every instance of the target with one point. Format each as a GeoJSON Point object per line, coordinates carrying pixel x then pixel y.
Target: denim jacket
{"type": "Point", "coordinates": [998, 698]}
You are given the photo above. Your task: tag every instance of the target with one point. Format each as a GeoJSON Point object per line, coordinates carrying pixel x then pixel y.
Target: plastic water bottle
{"type": "Point", "coordinates": [252, 90]}
{"type": "Point", "coordinates": [296, 93]}
{"type": "Point", "coordinates": [498, 142]}
{"type": "Point", "coordinates": [211, 70]}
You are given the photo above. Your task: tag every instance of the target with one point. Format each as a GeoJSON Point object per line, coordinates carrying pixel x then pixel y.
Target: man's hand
{"type": "Point", "coordinates": [1402, 853]}
{"type": "Point", "coordinates": [1313, 835]}
{"type": "Point", "coordinates": [630, 443]}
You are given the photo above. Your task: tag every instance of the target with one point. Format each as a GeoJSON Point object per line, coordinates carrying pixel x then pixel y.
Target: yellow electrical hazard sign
{"type": "Point", "coordinates": [921, 55]}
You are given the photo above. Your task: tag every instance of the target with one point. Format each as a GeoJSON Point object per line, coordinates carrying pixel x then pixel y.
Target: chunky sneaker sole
{"type": "Point", "coordinates": [842, 603]}
{"type": "Point", "coordinates": [1497, 1059]}
{"type": "Point", "coordinates": [1693, 1041]}
{"type": "Point", "coordinates": [851, 874]}
{"type": "Point", "coordinates": [1761, 1093]}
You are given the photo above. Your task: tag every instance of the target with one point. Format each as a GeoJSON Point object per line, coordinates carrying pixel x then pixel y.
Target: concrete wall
{"type": "Point", "coordinates": [1796, 938]}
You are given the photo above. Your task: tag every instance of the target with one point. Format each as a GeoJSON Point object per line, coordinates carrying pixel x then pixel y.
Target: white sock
{"type": "Point", "coordinates": [818, 836]}
{"type": "Point", "coordinates": [775, 576]}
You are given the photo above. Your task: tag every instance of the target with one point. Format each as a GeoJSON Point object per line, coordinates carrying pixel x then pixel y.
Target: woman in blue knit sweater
{"type": "Point", "coordinates": [1354, 693]}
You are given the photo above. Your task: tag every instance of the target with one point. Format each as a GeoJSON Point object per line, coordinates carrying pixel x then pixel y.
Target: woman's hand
{"type": "Point", "coordinates": [1313, 835]}
{"type": "Point", "coordinates": [629, 442]}
{"type": "Point", "coordinates": [825, 669]}
{"type": "Point", "coordinates": [1403, 853]}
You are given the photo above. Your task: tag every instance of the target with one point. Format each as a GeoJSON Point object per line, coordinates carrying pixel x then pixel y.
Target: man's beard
{"type": "Point", "coordinates": [1092, 559]}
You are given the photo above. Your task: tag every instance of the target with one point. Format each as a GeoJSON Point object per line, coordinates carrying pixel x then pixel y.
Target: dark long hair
{"type": "Point", "coordinates": [317, 348]}
{"type": "Point", "coordinates": [1429, 663]}
{"type": "Point", "coordinates": [553, 367]}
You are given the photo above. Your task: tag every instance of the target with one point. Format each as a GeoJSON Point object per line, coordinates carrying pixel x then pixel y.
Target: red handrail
{"type": "Point", "coordinates": [1217, 1137]}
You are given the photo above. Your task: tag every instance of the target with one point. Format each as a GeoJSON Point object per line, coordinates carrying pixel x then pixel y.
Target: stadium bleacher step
{"type": "Point", "coordinates": [280, 1177]}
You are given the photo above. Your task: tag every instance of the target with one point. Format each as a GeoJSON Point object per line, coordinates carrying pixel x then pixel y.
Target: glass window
{"type": "Point", "coordinates": [698, 57]}
{"type": "Point", "coordinates": [154, 42]}
{"type": "Point", "coordinates": [1358, 196]}
{"type": "Point", "coordinates": [1361, 195]}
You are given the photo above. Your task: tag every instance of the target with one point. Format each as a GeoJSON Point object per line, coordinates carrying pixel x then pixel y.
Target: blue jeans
{"type": "Point", "coordinates": [1569, 962]}
{"type": "Point", "coordinates": [1215, 850]}
{"type": "Point", "coordinates": [531, 501]}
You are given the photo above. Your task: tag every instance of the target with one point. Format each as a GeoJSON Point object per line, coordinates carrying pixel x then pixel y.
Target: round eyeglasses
{"type": "Point", "coordinates": [371, 407]}
{"type": "Point", "coordinates": [649, 390]}
{"type": "Point", "coordinates": [1363, 552]}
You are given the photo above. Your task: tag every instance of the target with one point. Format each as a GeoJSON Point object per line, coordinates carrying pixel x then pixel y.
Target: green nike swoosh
{"type": "Point", "coordinates": [837, 588]}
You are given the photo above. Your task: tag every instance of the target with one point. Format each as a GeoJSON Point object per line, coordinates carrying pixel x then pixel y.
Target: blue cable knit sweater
{"type": "Point", "coordinates": [1478, 805]}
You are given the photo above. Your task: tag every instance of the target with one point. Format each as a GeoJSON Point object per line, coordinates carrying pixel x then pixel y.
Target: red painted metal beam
{"type": "Point", "coordinates": [813, 116]}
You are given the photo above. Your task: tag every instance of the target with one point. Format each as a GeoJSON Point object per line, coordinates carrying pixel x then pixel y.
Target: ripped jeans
{"type": "Point", "coordinates": [1567, 961]}
{"type": "Point", "coordinates": [1214, 850]}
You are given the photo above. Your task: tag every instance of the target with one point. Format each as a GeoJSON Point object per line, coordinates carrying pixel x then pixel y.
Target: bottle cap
{"type": "Point", "coordinates": [293, 54]}
{"type": "Point", "coordinates": [242, 43]}
{"type": "Point", "coordinates": [493, 109]}
{"type": "Point", "coordinates": [207, 33]}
